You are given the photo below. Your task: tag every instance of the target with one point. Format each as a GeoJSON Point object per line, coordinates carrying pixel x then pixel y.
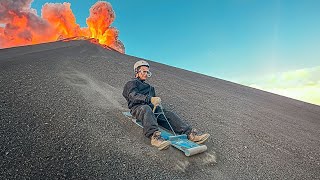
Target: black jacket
{"type": "Point", "coordinates": [138, 92]}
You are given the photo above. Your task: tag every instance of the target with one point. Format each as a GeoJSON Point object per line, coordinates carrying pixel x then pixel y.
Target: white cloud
{"type": "Point", "coordinates": [302, 84]}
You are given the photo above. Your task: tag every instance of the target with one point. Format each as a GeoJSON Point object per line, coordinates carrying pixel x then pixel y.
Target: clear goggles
{"type": "Point", "coordinates": [149, 74]}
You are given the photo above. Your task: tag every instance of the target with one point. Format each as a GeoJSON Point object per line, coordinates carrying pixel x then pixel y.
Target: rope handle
{"type": "Point", "coordinates": [154, 109]}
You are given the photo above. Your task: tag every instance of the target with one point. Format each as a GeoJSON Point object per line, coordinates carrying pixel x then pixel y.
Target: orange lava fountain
{"type": "Point", "coordinates": [20, 25]}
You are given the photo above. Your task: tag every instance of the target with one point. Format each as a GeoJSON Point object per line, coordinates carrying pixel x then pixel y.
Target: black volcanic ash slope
{"type": "Point", "coordinates": [60, 112]}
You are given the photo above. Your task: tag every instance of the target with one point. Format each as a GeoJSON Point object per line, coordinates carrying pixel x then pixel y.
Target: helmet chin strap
{"type": "Point", "coordinates": [137, 76]}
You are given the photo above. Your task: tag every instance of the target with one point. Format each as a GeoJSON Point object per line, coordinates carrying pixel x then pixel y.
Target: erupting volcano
{"type": "Point", "coordinates": [20, 25]}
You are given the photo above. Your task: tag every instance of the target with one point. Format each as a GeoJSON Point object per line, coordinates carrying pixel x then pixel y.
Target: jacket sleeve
{"type": "Point", "coordinates": [130, 92]}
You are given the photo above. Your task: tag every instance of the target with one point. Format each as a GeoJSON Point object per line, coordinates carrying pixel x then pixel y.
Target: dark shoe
{"type": "Point", "coordinates": [158, 141]}
{"type": "Point", "coordinates": [198, 137]}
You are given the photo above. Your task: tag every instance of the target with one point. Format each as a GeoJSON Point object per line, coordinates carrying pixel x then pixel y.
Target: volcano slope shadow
{"type": "Point", "coordinates": [61, 118]}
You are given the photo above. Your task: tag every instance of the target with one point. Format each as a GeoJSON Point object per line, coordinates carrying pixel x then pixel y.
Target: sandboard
{"type": "Point", "coordinates": [180, 142]}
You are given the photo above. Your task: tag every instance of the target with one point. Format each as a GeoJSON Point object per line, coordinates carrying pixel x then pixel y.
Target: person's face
{"type": "Point", "coordinates": [143, 72]}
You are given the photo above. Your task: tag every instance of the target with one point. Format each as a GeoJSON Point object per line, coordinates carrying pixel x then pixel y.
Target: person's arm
{"type": "Point", "coordinates": [131, 93]}
{"type": "Point", "coordinates": [154, 99]}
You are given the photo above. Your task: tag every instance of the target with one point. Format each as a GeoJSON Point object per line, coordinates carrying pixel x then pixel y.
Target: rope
{"type": "Point", "coordinates": [165, 118]}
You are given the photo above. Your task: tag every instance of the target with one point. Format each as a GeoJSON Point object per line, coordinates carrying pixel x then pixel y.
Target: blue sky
{"type": "Point", "coordinates": [224, 39]}
{"type": "Point", "coordinates": [245, 41]}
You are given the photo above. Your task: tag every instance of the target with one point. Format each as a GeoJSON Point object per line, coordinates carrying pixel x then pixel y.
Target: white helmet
{"type": "Point", "coordinates": [140, 63]}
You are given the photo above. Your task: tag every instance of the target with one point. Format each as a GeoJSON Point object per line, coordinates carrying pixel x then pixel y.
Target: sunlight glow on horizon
{"type": "Point", "coordinates": [302, 84]}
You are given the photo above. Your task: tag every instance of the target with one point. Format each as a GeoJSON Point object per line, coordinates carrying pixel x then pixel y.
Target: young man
{"type": "Point", "coordinates": [142, 99]}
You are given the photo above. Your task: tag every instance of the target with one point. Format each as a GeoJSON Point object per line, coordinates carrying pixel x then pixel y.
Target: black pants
{"type": "Point", "coordinates": [151, 121]}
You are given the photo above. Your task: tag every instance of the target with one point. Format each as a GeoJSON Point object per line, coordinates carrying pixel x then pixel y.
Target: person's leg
{"type": "Point", "coordinates": [150, 126]}
{"type": "Point", "coordinates": [149, 121]}
{"type": "Point", "coordinates": [179, 125]}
